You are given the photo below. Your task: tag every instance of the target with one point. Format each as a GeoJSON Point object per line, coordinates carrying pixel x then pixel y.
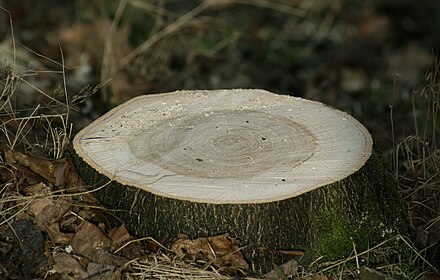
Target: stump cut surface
{"type": "Point", "coordinates": [225, 146]}
{"type": "Point", "coordinates": [275, 172]}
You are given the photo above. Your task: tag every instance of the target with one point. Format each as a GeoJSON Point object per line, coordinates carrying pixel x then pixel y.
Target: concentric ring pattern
{"type": "Point", "coordinates": [224, 144]}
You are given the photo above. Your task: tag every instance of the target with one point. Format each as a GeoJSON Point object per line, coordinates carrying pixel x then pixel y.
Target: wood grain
{"type": "Point", "coordinates": [237, 146]}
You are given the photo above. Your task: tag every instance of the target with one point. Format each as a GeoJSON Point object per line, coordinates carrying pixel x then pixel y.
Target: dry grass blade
{"type": "Point", "coordinates": [169, 29]}
{"type": "Point", "coordinates": [288, 8]}
{"type": "Point", "coordinates": [162, 266]}
{"type": "Point", "coordinates": [186, 18]}
{"type": "Point", "coordinates": [342, 264]}
{"type": "Point", "coordinates": [19, 123]}
{"type": "Point", "coordinates": [416, 162]}
{"type": "Point", "coordinates": [168, 24]}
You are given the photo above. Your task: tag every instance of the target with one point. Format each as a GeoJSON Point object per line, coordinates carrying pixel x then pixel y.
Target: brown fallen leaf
{"type": "Point", "coordinates": [119, 236]}
{"type": "Point", "coordinates": [103, 256]}
{"type": "Point", "coordinates": [370, 273]}
{"type": "Point", "coordinates": [222, 250]}
{"type": "Point", "coordinates": [48, 211]}
{"type": "Point", "coordinates": [88, 238]}
{"type": "Point", "coordinates": [43, 167]}
{"type": "Point", "coordinates": [20, 175]}
{"type": "Point", "coordinates": [38, 205]}
{"type": "Point", "coordinates": [34, 189]}
{"type": "Point", "coordinates": [66, 175]}
{"type": "Point", "coordinates": [155, 245]}
{"type": "Point", "coordinates": [288, 268]}
{"type": "Point", "coordinates": [57, 236]}
{"type": "Point", "coordinates": [66, 265]}
{"type": "Point", "coordinates": [103, 271]}
{"type": "Point", "coordinates": [123, 244]}
{"type": "Point", "coordinates": [69, 223]}
{"type": "Point", "coordinates": [7, 174]}
{"type": "Point", "coordinates": [56, 172]}
{"type": "Point", "coordinates": [320, 276]}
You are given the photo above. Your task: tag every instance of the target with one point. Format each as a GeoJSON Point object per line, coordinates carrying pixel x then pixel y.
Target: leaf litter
{"type": "Point", "coordinates": [70, 239]}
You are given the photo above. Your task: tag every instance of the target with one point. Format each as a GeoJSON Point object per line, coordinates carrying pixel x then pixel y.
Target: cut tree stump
{"type": "Point", "coordinates": [277, 172]}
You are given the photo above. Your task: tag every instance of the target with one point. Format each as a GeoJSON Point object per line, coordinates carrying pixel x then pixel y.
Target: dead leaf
{"type": "Point", "coordinates": [132, 251]}
{"type": "Point", "coordinates": [66, 265]}
{"type": "Point", "coordinates": [121, 243]}
{"type": "Point", "coordinates": [320, 276]}
{"type": "Point", "coordinates": [66, 175]}
{"type": "Point", "coordinates": [48, 211]}
{"type": "Point", "coordinates": [56, 172]}
{"type": "Point", "coordinates": [69, 223]}
{"type": "Point", "coordinates": [21, 175]}
{"type": "Point", "coordinates": [35, 189]}
{"type": "Point", "coordinates": [7, 174]}
{"type": "Point", "coordinates": [100, 217]}
{"type": "Point", "coordinates": [288, 268]}
{"type": "Point", "coordinates": [369, 273]}
{"type": "Point", "coordinates": [43, 167]}
{"type": "Point", "coordinates": [5, 247]}
{"type": "Point", "coordinates": [154, 245]}
{"type": "Point", "coordinates": [103, 271]}
{"type": "Point", "coordinates": [89, 238]}
{"type": "Point", "coordinates": [103, 256]}
{"type": "Point", "coordinates": [222, 250]}
{"type": "Point", "coordinates": [57, 236]}
{"type": "Point", "coordinates": [38, 205]}
{"type": "Point", "coordinates": [119, 236]}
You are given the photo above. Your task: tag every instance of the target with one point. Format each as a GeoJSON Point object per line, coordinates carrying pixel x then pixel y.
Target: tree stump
{"type": "Point", "coordinates": [276, 172]}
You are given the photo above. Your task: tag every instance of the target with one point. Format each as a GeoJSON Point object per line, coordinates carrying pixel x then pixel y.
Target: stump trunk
{"type": "Point", "coordinates": [274, 171]}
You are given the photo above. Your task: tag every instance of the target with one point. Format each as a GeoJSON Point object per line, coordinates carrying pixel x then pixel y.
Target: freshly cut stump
{"type": "Point", "coordinates": [274, 171]}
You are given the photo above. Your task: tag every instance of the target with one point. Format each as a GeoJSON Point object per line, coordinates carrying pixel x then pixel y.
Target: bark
{"type": "Point", "coordinates": [361, 205]}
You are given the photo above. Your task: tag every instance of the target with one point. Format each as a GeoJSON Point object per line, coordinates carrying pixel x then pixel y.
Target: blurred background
{"type": "Point", "coordinates": [360, 57]}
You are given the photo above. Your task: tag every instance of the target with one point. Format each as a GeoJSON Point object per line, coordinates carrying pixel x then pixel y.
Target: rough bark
{"type": "Point", "coordinates": [325, 220]}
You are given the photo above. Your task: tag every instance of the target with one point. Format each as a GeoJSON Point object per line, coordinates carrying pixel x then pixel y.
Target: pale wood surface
{"type": "Point", "coordinates": [224, 146]}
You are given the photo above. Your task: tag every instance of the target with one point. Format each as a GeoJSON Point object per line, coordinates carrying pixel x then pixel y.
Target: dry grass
{"type": "Point", "coordinates": [20, 123]}
{"type": "Point", "coordinates": [416, 164]}
{"type": "Point", "coordinates": [163, 266]}
{"type": "Point", "coordinates": [171, 31]}
{"type": "Point", "coordinates": [416, 158]}
{"type": "Point", "coordinates": [396, 257]}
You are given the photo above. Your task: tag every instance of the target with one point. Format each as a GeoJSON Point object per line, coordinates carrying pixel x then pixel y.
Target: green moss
{"type": "Point", "coordinates": [341, 234]}
{"type": "Point", "coordinates": [362, 210]}
{"type": "Point", "coordinates": [337, 240]}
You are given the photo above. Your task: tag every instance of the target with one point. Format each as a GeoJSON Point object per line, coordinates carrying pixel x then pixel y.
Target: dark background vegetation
{"type": "Point", "coordinates": [374, 59]}
{"type": "Point", "coordinates": [360, 57]}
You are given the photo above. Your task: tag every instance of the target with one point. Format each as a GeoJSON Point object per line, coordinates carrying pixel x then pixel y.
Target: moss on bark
{"type": "Point", "coordinates": [363, 208]}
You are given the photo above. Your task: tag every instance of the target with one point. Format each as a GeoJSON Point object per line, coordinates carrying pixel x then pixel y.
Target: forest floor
{"type": "Point", "coordinates": [65, 63]}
